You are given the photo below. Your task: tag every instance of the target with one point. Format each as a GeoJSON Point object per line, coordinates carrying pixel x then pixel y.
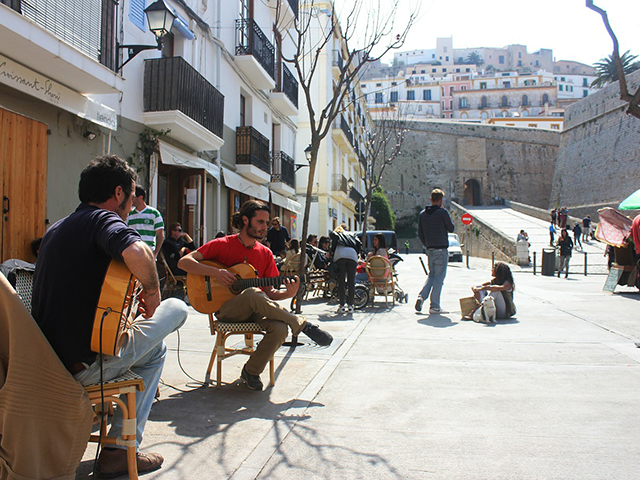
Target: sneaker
{"type": "Point", "coordinates": [419, 304]}
{"type": "Point", "coordinates": [315, 333]}
{"type": "Point", "coordinates": [350, 309]}
{"type": "Point", "coordinates": [343, 309]}
{"type": "Point", "coordinates": [253, 381]}
{"type": "Point", "coordinates": [437, 310]}
{"type": "Point", "coordinates": [112, 462]}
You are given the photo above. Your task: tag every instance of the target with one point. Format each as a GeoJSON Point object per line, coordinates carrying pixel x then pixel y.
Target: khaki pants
{"type": "Point", "coordinates": [253, 305]}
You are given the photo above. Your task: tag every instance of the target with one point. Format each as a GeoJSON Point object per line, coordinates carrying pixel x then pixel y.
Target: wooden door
{"type": "Point", "coordinates": [23, 184]}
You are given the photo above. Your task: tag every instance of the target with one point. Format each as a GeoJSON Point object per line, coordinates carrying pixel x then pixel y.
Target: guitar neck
{"type": "Point", "coordinates": [244, 283]}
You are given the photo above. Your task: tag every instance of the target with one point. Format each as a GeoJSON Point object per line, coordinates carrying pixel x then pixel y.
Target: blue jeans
{"type": "Point", "coordinates": [438, 260]}
{"type": "Point", "coordinates": [143, 352]}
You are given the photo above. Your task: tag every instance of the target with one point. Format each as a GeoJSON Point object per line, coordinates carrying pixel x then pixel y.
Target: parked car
{"type": "Point", "coordinates": [455, 249]}
{"type": "Point", "coordinates": [389, 236]}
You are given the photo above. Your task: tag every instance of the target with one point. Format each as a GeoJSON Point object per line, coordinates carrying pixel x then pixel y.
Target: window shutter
{"type": "Point", "coordinates": [137, 15]}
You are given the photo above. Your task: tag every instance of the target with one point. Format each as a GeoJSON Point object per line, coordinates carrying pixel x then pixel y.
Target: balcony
{"type": "Point", "coordinates": [252, 155]}
{"type": "Point", "coordinates": [178, 98]}
{"type": "Point", "coordinates": [342, 133]}
{"type": "Point", "coordinates": [355, 195]}
{"type": "Point", "coordinates": [283, 176]}
{"type": "Point", "coordinates": [337, 62]}
{"type": "Point", "coordinates": [59, 43]}
{"type": "Point", "coordinates": [339, 185]}
{"type": "Point", "coordinates": [255, 54]}
{"type": "Point", "coordinates": [363, 161]}
{"type": "Point", "coordinates": [285, 96]}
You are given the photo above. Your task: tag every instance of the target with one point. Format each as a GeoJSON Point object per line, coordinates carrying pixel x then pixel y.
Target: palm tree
{"type": "Point", "coordinates": [474, 58]}
{"type": "Point", "coordinates": [607, 72]}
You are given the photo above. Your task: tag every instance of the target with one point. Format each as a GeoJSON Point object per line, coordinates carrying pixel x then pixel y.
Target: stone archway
{"type": "Point", "coordinates": [472, 193]}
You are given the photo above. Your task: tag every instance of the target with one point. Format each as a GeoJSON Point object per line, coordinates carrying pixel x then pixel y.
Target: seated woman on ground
{"type": "Point", "coordinates": [501, 288]}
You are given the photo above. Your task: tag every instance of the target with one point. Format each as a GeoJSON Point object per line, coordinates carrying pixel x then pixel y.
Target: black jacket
{"type": "Point", "coordinates": [345, 239]}
{"type": "Point", "coordinates": [434, 225]}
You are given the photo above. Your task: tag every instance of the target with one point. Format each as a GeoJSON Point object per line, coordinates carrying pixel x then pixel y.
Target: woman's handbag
{"type": "Point", "coordinates": [468, 305]}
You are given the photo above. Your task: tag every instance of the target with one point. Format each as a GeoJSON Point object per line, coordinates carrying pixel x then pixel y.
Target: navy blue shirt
{"type": "Point", "coordinates": [73, 260]}
{"type": "Point", "coordinates": [434, 224]}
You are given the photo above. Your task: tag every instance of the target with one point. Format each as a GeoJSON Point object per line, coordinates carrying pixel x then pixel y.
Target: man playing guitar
{"type": "Point", "coordinates": [253, 304]}
{"type": "Point", "coordinates": [72, 264]}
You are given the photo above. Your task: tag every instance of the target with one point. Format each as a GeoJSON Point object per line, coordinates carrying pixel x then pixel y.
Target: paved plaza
{"type": "Point", "coordinates": [553, 393]}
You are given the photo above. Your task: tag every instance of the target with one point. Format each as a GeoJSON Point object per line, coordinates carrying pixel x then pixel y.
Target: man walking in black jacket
{"type": "Point", "coordinates": [434, 225]}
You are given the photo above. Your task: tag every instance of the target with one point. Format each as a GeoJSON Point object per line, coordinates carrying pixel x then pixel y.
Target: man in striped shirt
{"type": "Point", "coordinates": [147, 221]}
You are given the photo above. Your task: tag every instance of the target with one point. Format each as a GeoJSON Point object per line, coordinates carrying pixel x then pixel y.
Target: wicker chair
{"type": "Point", "coordinates": [103, 398]}
{"type": "Point", "coordinates": [380, 274]}
{"type": "Point", "coordinates": [222, 331]}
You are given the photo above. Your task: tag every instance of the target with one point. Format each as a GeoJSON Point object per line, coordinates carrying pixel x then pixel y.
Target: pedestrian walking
{"type": "Point", "coordinates": [586, 228]}
{"type": "Point", "coordinates": [554, 216]}
{"type": "Point", "coordinates": [552, 231]}
{"type": "Point", "coordinates": [434, 224]}
{"type": "Point", "coordinates": [406, 247]}
{"type": "Point", "coordinates": [566, 245]}
{"type": "Point", "coordinates": [577, 233]}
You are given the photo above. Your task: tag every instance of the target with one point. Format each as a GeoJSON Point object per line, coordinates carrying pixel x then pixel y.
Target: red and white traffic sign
{"type": "Point", "coordinates": [467, 219]}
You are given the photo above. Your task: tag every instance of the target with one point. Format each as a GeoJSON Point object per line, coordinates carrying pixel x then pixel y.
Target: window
{"type": "Point", "coordinates": [411, 95]}
{"type": "Point", "coordinates": [525, 101]}
{"type": "Point", "coordinates": [444, 70]}
{"type": "Point", "coordinates": [363, 86]}
{"type": "Point", "coordinates": [394, 97]}
{"type": "Point", "coordinates": [378, 84]}
{"type": "Point", "coordinates": [463, 103]}
{"type": "Point", "coordinates": [483, 85]}
{"type": "Point", "coordinates": [555, 127]}
{"type": "Point", "coordinates": [501, 59]}
{"type": "Point", "coordinates": [136, 13]}
{"type": "Point", "coordinates": [533, 125]}
{"type": "Point", "coordinates": [463, 87]}
{"type": "Point", "coordinates": [395, 83]}
{"type": "Point", "coordinates": [560, 87]}
{"type": "Point", "coordinates": [446, 59]}
{"type": "Point", "coordinates": [426, 94]}
{"type": "Point", "coordinates": [519, 63]}
{"type": "Point", "coordinates": [483, 102]}
{"type": "Point", "coordinates": [585, 83]}
{"type": "Point", "coordinates": [504, 102]}
{"type": "Point", "coordinates": [378, 97]}
{"type": "Point", "coordinates": [519, 54]}
{"type": "Point", "coordinates": [243, 111]}
{"type": "Point", "coordinates": [433, 70]}
{"type": "Point", "coordinates": [451, 90]}
{"type": "Point", "coordinates": [545, 98]}
{"type": "Point", "coordinates": [423, 71]}
{"type": "Point", "coordinates": [585, 93]}
{"type": "Point", "coordinates": [506, 84]}
{"type": "Point", "coordinates": [467, 70]}
{"type": "Point", "coordinates": [562, 79]}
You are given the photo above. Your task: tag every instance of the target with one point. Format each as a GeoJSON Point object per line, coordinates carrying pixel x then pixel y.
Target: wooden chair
{"type": "Point", "coordinates": [125, 385]}
{"type": "Point", "coordinates": [380, 274]}
{"type": "Point", "coordinates": [222, 331]}
{"type": "Point", "coordinates": [172, 282]}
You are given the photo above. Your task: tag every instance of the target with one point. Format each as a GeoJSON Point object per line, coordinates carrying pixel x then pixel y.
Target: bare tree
{"type": "Point", "coordinates": [366, 31]}
{"type": "Point", "coordinates": [634, 100]}
{"type": "Point", "coordinates": [383, 147]}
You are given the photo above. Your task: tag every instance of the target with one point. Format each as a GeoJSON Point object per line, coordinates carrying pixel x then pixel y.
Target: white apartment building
{"type": "Point", "coordinates": [338, 182]}
{"type": "Point", "coordinates": [574, 87]}
{"type": "Point", "coordinates": [217, 90]}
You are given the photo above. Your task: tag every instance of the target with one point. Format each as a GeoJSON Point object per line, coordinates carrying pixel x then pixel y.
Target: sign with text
{"type": "Point", "coordinates": [467, 219]}
{"type": "Point", "coordinates": [16, 75]}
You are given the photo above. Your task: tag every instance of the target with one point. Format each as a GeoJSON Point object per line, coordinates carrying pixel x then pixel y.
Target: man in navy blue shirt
{"type": "Point", "coordinates": [72, 264]}
{"type": "Point", "coordinates": [434, 226]}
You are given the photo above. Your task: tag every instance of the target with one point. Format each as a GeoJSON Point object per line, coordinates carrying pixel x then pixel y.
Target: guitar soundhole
{"type": "Point", "coordinates": [237, 287]}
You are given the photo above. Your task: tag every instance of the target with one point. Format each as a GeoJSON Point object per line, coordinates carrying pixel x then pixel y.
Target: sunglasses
{"type": "Point", "coordinates": [178, 230]}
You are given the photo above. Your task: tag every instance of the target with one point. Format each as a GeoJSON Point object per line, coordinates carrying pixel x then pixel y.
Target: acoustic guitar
{"type": "Point", "coordinates": [117, 308]}
{"type": "Point", "coordinates": [207, 295]}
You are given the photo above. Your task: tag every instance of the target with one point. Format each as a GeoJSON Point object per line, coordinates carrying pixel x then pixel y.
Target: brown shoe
{"type": "Point", "coordinates": [113, 462]}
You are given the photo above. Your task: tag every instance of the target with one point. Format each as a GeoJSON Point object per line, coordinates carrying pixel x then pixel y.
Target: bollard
{"type": "Point", "coordinates": [467, 258]}
{"type": "Point", "coordinates": [493, 259]}
{"type": "Point", "coordinates": [534, 263]}
{"type": "Point", "coordinates": [585, 264]}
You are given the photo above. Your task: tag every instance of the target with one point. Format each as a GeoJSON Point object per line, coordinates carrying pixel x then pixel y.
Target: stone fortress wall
{"type": "Point", "coordinates": [503, 162]}
{"type": "Point", "coordinates": [599, 156]}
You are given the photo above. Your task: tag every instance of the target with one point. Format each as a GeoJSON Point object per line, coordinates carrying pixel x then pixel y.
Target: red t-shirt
{"type": "Point", "coordinates": [229, 251]}
{"type": "Point", "coordinates": [635, 232]}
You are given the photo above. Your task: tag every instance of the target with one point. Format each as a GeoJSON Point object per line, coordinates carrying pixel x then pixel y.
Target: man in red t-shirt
{"type": "Point", "coordinates": [253, 304]}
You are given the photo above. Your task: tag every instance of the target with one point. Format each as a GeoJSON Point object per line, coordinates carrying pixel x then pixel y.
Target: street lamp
{"type": "Point", "coordinates": [160, 17]}
{"type": "Point", "coordinates": [307, 155]}
{"type": "Point", "coordinates": [350, 183]}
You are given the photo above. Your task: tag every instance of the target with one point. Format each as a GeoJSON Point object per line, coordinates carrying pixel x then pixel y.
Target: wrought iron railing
{"type": "Point", "coordinates": [339, 183]}
{"type": "Point", "coordinates": [344, 126]}
{"type": "Point", "coordinates": [289, 85]}
{"type": "Point", "coordinates": [250, 40]}
{"type": "Point", "coordinates": [252, 148]}
{"type": "Point", "coordinates": [355, 195]}
{"type": "Point", "coordinates": [172, 84]}
{"type": "Point", "coordinates": [284, 169]}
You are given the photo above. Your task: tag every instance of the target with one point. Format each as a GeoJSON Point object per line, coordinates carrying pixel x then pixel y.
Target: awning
{"type": "Point", "coordinates": [242, 185]}
{"type": "Point", "coordinates": [285, 202]}
{"type": "Point", "coordinates": [170, 155]}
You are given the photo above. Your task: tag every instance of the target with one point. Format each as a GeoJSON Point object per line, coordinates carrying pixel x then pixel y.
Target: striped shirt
{"type": "Point", "coordinates": [146, 222]}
